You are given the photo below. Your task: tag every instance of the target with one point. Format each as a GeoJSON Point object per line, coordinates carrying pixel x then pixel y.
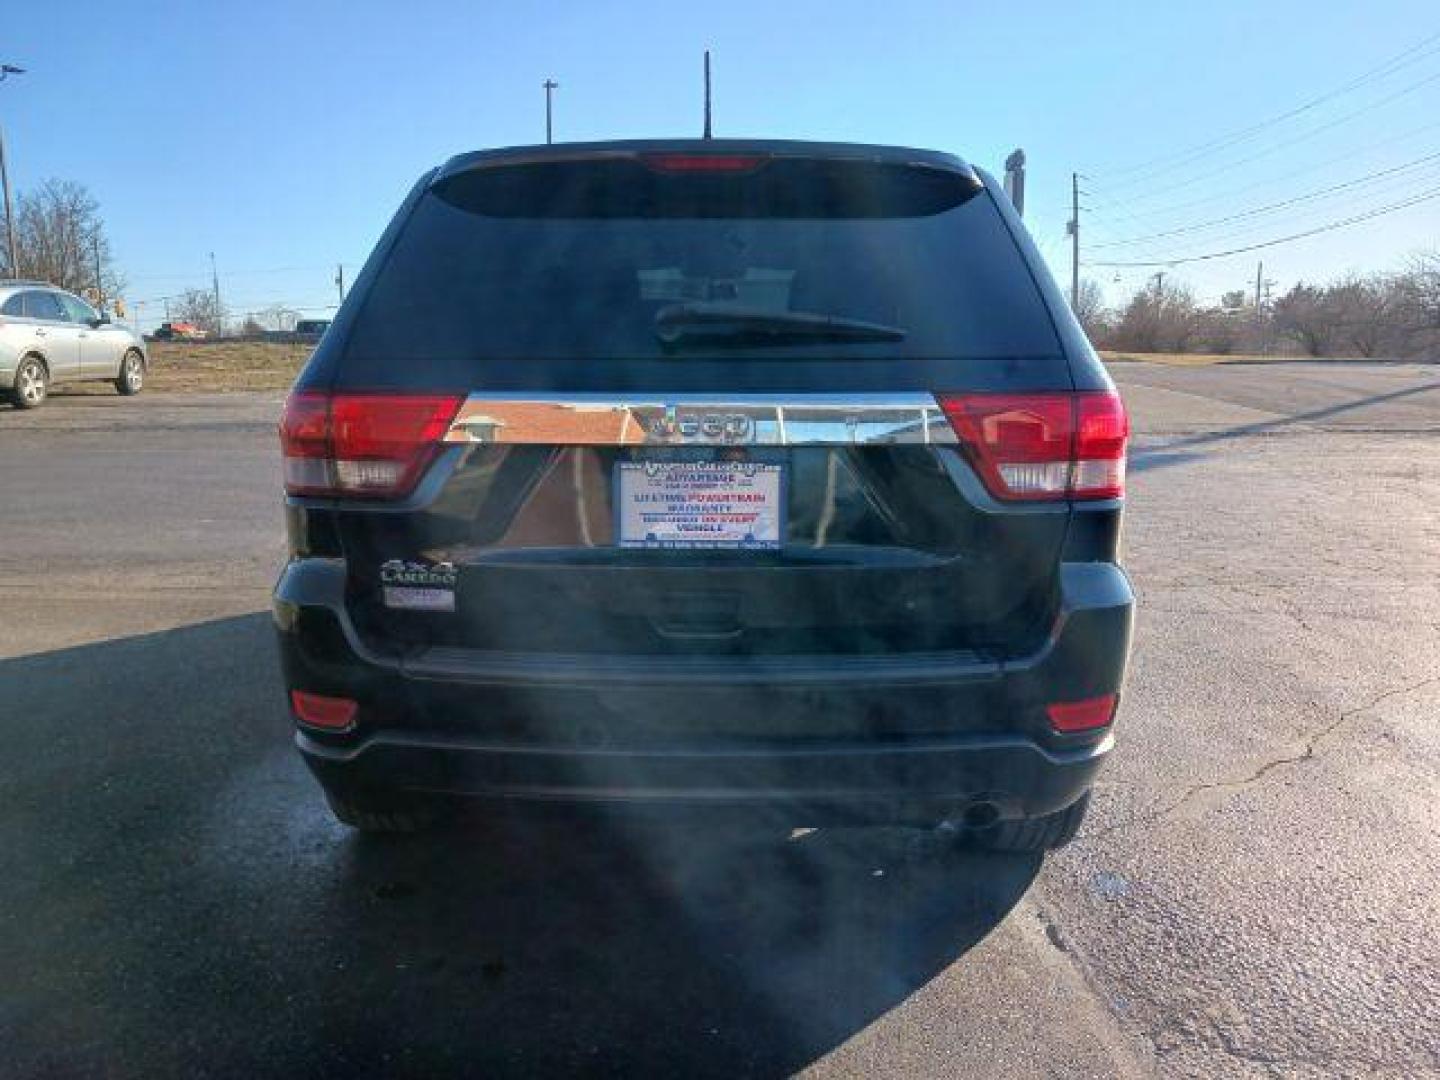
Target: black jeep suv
{"type": "Point", "coordinates": [720, 473]}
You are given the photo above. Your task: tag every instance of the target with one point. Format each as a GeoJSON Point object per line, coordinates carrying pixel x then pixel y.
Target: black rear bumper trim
{"type": "Point", "coordinates": [1015, 775]}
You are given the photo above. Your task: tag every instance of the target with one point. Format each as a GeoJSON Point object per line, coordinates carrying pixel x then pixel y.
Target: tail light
{"type": "Point", "coordinates": [1087, 715]}
{"type": "Point", "coordinates": [366, 445]}
{"type": "Point", "coordinates": [1044, 446]}
{"type": "Point", "coordinates": [703, 163]}
{"type": "Point", "coordinates": [322, 711]}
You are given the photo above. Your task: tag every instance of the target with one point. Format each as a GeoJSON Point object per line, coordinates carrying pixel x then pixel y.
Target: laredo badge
{"type": "Point", "coordinates": [416, 586]}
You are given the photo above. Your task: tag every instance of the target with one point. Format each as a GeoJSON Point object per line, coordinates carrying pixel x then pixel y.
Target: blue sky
{"type": "Point", "coordinates": [282, 135]}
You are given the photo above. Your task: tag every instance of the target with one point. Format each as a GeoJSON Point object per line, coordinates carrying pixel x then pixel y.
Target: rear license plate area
{"type": "Point", "coordinates": [689, 505]}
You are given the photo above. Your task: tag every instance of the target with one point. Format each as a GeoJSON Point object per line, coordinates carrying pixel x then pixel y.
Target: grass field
{"type": "Point", "coordinates": [239, 365]}
{"type": "Point", "coordinates": [178, 367]}
{"type": "Point", "coordinates": [1188, 359]}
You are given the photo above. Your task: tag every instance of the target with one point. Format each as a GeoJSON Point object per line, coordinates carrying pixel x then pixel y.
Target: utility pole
{"type": "Point", "coordinates": [9, 213]}
{"type": "Point", "coordinates": [707, 93]}
{"type": "Point", "coordinates": [99, 281]}
{"type": "Point", "coordinates": [550, 87]}
{"type": "Point", "coordinates": [215, 282]}
{"type": "Point", "coordinates": [6, 70]}
{"type": "Point", "coordinates": [1074, 241]}
{"type": "Point", "coordinates": [1259, 311]}
{"type": "Point", "coordinates": [1268, 283]}
{"type": "Point", "coordinates": [340, 281]}
{"type": "Point", "coordinates": [1264, 306]}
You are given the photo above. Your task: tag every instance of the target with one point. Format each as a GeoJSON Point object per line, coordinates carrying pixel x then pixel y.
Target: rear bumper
{"type": "Point", "coordinates": [876, 737]}
{"type": "Point", "coordinates": [918, 780]}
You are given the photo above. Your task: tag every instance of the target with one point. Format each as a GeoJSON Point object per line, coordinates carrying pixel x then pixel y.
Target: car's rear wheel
{"type": "Point", "coordinates": [32, 384]}
{"type": "Point", "coordinates": [380, 814]}
{"type": "Point", "coordinates": [1035, 834]}
{"type": "Point", "coordinates": [132, 373]}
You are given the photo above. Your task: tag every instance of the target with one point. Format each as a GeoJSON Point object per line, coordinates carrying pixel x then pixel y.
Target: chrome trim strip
{"type": "Point", "coordinates": [912, 418]}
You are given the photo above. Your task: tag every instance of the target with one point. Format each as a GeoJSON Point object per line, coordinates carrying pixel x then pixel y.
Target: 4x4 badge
{"type": "Point", "coordinates": [441, 575]}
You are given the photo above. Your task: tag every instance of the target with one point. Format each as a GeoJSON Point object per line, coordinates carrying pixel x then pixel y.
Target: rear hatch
{"type": "Point", "coordinates": [698, 400]}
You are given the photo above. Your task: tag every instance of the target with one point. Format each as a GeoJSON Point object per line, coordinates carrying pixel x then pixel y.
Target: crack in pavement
{"type": "Point", "coordinates": [1307, 753]}
{"type": "Point", "coordinates": [1192, 1036]}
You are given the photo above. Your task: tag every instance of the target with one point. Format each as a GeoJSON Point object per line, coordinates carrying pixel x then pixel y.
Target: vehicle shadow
{"type": "Point", "coordinates": [1183, 450]}
{"type": "Point", "coordinates": [179, 900]}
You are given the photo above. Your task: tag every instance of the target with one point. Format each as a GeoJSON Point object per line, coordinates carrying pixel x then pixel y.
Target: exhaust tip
{"type": "Point", "coordinates": [980, 815]}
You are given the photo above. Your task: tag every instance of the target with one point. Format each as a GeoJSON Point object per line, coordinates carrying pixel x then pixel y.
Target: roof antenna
{"type": "Point", "coordinates": [707, 93]}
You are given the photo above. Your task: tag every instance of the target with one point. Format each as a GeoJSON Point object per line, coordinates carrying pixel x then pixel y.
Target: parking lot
{"type": "Point", "coordinates": [1254, 893]}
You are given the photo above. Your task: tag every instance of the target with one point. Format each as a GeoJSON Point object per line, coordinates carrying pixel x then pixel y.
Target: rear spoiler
{"type": "Point", "coordinates": [643, 149]}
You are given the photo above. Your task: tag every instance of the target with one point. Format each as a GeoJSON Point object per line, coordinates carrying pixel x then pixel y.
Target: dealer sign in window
{"type": "Point", "coordinates": [699, 504]}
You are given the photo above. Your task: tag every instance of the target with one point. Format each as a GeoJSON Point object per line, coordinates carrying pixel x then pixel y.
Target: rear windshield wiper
{"type": "Point", "coordinates": [735, 324]}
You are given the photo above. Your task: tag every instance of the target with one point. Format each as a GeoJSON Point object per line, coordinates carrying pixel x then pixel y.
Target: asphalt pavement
{"type": "Point", "coordinates": [1254, 894]}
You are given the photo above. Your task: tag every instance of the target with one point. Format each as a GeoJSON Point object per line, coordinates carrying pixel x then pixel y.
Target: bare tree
{"type": "Point", "coordinates": [1090, 309]}
{"type": "Point", "coordinates": [1361, 316]}
{"type": "Point", "coordinates": [1417, 305]}
{"type": "Point", "coordinates": [1221, 330]}
{"type": "Point", "coordinates": [1159, 318]}
{"type": "Point", "coordinates": [1305, 315]}
{"type": "Point", "coordinates": [1380, 315]}
{"type": "Point", "coordinates": [279, 317]}
{"type": "Point", "coordinates": [1424, 276]}
{"type": "Point", "coordinates": [1365, 310]}
{"type": "Point", "coordinates": [198, 306]}
{"type": "Point", "coordinates": [58, 231]}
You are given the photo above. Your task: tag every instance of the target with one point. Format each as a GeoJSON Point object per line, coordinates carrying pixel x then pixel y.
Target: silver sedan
{"type": "Point", "coordinates": [49, 336]}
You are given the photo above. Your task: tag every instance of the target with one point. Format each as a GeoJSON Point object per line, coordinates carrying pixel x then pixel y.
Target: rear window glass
{"type": "Point", "coordinates": [574, 262]}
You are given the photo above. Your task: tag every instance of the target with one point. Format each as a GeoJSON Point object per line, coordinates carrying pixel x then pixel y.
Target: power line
{"type": "Point", "coordinates": [337, 267]}
{"type": "Point", "coordinates": [1396, 187]}
{"type": "Point", "coordinates": [1228, 193]}
{"type": "Point", "coordinates": [1072, 223]}
{"type": "Point", "coordinates": [237, 273]}
{"type": "Point", "coordinates": [1355, 220]}
{"type": "Point", "coordinates": [1146, 250]}
{"type": "Point", "coordinates": [1401, 60]}
{"type": "Point", "coordinates": [1300, 217]}
{"type": "Point", "coordinates": [261, 305]}
{"type": "Point", "coordinates": [1272, 206]}
{"type": "Point", "coordinates": [1302, 137]}
{"type": "Point", "coordinates": [1121, 208]}
{"type": "Point", "coordinates": [244, 311]}
{"type": "Point", "coordinates": [1272, 148]}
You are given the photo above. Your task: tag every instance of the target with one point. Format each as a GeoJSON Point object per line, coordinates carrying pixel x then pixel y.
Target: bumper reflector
{"type": "Point", "coordinates": [1072, 716]}
{"type": "Point", "coordinates": [319, 711]}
